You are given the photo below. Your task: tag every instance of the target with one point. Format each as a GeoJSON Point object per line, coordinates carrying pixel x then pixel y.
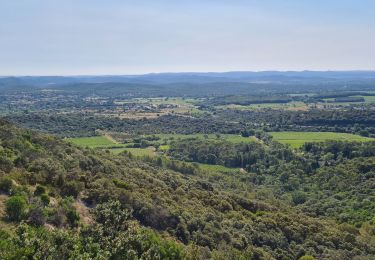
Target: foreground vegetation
{"type": "Point", "coordinates": [75, 202]}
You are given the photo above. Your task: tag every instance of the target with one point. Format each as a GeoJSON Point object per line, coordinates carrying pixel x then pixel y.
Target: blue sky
{"type": "Point", "coordinates": [76, 37]}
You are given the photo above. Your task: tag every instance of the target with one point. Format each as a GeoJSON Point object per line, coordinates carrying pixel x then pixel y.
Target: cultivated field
{"type": "Point", "coordinates": [106, 142]}
{"type": "Point", "coordinates": [93, 142]}
{"type": "Point", "coordinates": [150, 151]}
{"type": "Point", "coordinates": [217, 168]}
{"type": "Point", "coordinates": [297, 139]}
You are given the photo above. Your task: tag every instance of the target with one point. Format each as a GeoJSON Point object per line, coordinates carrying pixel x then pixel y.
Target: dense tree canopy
{"type": "Point", "coordinates": [90, 203]}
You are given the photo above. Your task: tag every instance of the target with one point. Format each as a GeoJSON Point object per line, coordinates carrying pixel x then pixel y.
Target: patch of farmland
{"type": "Point", "coordinates": [297, 139]}
{"type": "Point", "coordinates": [93, 142]}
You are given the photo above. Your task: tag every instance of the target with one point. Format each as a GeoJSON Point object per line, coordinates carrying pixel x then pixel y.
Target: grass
{"type": "Point", "coordinates": [106, 142]}
{"type": "Point", "coordinates": [93, 142]}
{"type": "Point", "coordinates": [164, 147]}
{"type": "Point", "coordinates": [297, 139]}
{"type": "Point", "coordinates": [135, 151]}
{"type": "Point", "coordinates": [368, 99]}
{"type": "Point", "coordinates": [216, 168]}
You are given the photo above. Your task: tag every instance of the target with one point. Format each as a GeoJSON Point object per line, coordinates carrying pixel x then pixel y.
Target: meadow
{"type": "Point", "coordinates": [149, 151]}
{"type": "Point", "coordinates": [93, 142]}
{"type": "Point", "coordinates": [297, 139]}
{"type": "Point", "coordinates": [106, 142]}
{"type": "Point", "coordinates": [217, 168]}
{"type": "Point", "coordinates": [368, 99]}
{"type": "Point", "coordinates": [331, 101]}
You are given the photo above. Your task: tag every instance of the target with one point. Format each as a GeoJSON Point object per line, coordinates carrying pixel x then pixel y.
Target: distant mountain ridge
{"type": "Point", "coordinates": [197, 84]}
{"type": "Point", "coordinates": [162, 78]}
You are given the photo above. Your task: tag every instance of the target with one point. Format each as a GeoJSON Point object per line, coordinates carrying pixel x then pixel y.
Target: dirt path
{"type": "Point", "coordinates": [83, 212]}
{"type": "Point", "coordinates": [110, 138]}
{"type": "Point", "coordinates": [3, 198]}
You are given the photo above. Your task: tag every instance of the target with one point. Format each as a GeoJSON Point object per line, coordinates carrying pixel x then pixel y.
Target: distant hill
{"type": "Point", "coordinates": [194, 77]}
{"type": "Point", "coordinates": [197, 84]}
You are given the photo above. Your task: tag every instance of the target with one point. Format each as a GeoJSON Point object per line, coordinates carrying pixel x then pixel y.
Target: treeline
{"type": "Point", "coordinates": [342, 94]}
{"type": "Point", "coordinates": [226, 153]}
{"type": "Point", "coordinates": [356, 121]}
{"type": "Point", "coordinates": [74, 125]}
{"type": "Point", "coordinates": [245, 100]}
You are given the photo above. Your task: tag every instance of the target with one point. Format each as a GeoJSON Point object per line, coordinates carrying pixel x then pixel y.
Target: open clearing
{"type": "Point", "coordinates": [297, 139]}
{"type": "Point", "coordinates": [217, 168]}
{"type": "Point", "coordinates": [93, 142]}
{"type": "Point", "coordinates": [107, 142]}
{"type": "Point", "coordinates": [149, 151]}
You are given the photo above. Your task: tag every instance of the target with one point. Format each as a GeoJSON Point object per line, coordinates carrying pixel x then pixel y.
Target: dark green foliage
{"type": "Point", "coordinates": [247, 100]}
{"type": "Point", "coordinates": [45, 199]}
{"type": "Point", "coordinates": [121, 184]}
{"type": "Point", "coordinates": [228, 154]}
{"type": "Point", "coordinates": [143, 209]}
{"type": "Point", "coordinates": [6, 185]}
{"type": "Point", "coordinates": [6, 164]}
{"type": "Point", "coordinates": [72, 217]}
{"type": "Point", "coordinates": [299, 197]}
{"type": "Point", "coordinates": [71, 188]}
{"type": "Point", "coordinates": [80, 125]}
{"type": "Point", "coordinates": [16, 207]}
{"type": "Point", "coordinates": [39, 190]}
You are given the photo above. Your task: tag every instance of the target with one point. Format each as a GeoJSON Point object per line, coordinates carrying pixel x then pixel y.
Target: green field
{"type": "Point", "coordinates": [135, 151]}
{"type": "Point", "coordinates": [216, 168]}
{"type": "Point", "coordinates": [103, 142]}
{"type": "Point", "coordinates": [93, 142]}
{"type": "Point", "coordinates": [368, 99]}
{"type": "Point", "coordinates": [330, 101]}
{"type": "Point", "coordinates": [297, 139]}
{"type": "Point", "coordinates": [164, 147]}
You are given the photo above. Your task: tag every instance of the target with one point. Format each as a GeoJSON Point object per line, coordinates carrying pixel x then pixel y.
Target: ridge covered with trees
{"type": "Point", "coordinates": [72, 202]}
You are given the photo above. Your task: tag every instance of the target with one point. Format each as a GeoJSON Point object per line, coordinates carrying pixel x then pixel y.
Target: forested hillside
{"type": "Point", "coordinates": [60, 201]}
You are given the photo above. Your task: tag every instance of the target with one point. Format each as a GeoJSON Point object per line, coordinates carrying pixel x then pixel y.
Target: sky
{"type": "Point", "coordinates": [87, 37]}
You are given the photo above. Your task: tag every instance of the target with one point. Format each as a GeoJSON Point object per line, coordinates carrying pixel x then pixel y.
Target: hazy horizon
{"type": "Point", "coordinates": [133, 38]}
{"type": "Point", "coordinates": [189, 72]}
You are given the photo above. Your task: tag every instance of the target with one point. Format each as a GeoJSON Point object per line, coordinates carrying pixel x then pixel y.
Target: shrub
{"type": "Point", "coordinates": [72, 188]}
{"type": "Point", "coordinates": [37, 216]}
{"type": "Point", "coordinates": [16, 207]}
{"type": "Point", "coordinates": [6, 164]}
{"type": "Point", "coordinates": [45, 199]}
{"type": "Point", "coordinates": [299, 197]}
{"type": "Point", "coordinates": [6, 185]}
{"type": "Point", "coordinates": [39, 190]}
{"type": "Point", "coordinates": [121, 184]}
{"type": "Point", "coordinates": [72, 217]}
